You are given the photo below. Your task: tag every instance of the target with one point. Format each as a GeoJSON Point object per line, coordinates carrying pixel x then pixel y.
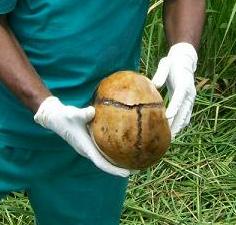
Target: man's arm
{"type": "Point", "coordinates": [17, 73]}
{"type": "Point", "coordinates": [68, 122]}
{"type": "Point", "coordinates": [183, 20]}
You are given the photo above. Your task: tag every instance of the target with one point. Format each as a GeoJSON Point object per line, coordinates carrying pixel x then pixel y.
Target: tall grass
{"type": "Point", "coordinates": [195, 183]}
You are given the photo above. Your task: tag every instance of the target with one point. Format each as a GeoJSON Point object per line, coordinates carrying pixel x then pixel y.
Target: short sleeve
{"type": "Point", "coordinates": [7, 6]}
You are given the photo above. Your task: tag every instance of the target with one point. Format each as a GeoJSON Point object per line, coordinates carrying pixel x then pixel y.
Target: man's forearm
{"type": "Point", "coordinates": [183, 20]}
{"type": "Point", "coordinates": [17, 73]}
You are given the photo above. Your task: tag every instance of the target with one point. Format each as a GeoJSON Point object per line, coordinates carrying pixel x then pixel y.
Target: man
{"type": "Point", "coordinates": [53, 53]}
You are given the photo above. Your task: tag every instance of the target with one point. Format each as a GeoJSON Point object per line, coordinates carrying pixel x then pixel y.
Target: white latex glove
{"type": "Point", "coordinates": [70, 123]}
{"type": "Point", "coordinates": [177, 71]}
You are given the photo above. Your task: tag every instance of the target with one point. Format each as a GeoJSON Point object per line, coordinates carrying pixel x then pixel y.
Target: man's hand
{"type": "Point", "coordinates": [177, 71]}
{"type": "Point", "coordinates": [70, 123]}
{"type": "Point", "coordinates": [183, 24]}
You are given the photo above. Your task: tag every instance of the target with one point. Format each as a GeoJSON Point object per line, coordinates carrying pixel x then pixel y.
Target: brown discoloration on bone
{"type": "Point", "coordinates": [124, 87]}
{"type": "Point", "coordinates": [130, 110]}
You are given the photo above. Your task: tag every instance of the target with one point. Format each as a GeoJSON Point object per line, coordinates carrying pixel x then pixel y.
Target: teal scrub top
{"type": "Point", "coordinates": [72, 44]}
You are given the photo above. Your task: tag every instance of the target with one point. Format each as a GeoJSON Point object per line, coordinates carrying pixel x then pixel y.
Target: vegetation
{"type": "Point", "coordinates": [195, 183]}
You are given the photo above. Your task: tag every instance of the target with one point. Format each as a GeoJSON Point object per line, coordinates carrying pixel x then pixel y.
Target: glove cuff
{"type": "Point", "coordinates": [187, 49]}
{"type": "Point", "coordinates": [49, 105]}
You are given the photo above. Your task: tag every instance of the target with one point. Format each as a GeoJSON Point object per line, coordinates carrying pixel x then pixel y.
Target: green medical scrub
{"type": "Point", "coordinates": [63, 188]}
{"type": "Point", "coordinates": [72, 44]}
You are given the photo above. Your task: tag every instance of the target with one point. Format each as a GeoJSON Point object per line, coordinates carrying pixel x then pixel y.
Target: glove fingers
{"type": "Point", "coordinates": [175, 104]}
{"type": "Point", "coordinates": [181, 117]}
{"type": "Point", "coordinates": [88, 148]}
{"type": "Point", "coordinates": [191, 100]}
{"type": "Point", "coordinates": [188, 118]}
{"type": "Point", "coordinates": [86, 114]}
{"type": "Point", "coordinates": [106, 166]}
{"type": "Point", "coordinates": [162, 72]}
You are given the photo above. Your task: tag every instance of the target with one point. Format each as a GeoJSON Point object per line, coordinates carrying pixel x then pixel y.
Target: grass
{"type": "Point", "coordinates": [195, 183]}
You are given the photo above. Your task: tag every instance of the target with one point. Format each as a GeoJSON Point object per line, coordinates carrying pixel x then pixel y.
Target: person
{"type": "Point", "coordinates": [52, 56]}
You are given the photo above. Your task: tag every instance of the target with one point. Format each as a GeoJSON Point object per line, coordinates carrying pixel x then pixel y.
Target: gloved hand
{"type": "Point", "coordinates": [177, 71]}
{"type": "Point", "coordinates": [69, 122]}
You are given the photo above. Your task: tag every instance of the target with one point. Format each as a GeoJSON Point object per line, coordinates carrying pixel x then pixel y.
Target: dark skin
{"type": "Point", "coordinates": [17, 73]}
{"type": "Point", "coordinates": [183, 21]}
